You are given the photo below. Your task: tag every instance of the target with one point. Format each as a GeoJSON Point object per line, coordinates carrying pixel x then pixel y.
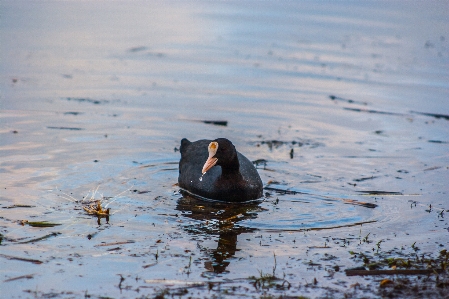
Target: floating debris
{"type": "Point", "coordinates": [10, 257]}
{"type": "Point", "coordinates": [380, 193]}
{"type": "Point", "coordinates": [141, 192]}
{"type": "Point", "coordinates": [385, 282]}
{"type": "Point", "coordinates": [96, 209]}
{"type": "Point", "coordinates": [65, 128]}
{"type": "Point", "coordinates": [19, 206]}
{"type": "Point", "coordinates": [365, 179]}
{"type": "Point", "coordinates": [275, 144]}
{"type": "Point", "coordinates": [438, 116]}
{"type": "Point", "coordinates": [116, 243]}
{"type": "Point", "coordinates": [72, 113]}
{"type": "Point", "coordinates": [373, 111]}
{"type": "Point", "coordinates": [41, 238]}
{"type": "Point", "coordinates": [223, 123]}
{"type": "Point", "coordinates": [432, 168]}
{"type": "Point", "coordinates": [351, 272]}
{"type": "Point", "coordinates": [358, 203]}
{"type": "Point", "coordinates": [39, 223]}
{"type": "Point", "coordinates": [149, 265]}
{"type": "Point", "coordinates": [29, 276]}
{"type": "Point", "coordinates": [87, 100]}
{"type": "Point", "coordinates": [175, 282]}
{"type": "Point", "coordinates": [284, 191]}
{"type": "Point", "coordinates": [335, 98]}
{"type": "Point", "coordinates": [138, 49]}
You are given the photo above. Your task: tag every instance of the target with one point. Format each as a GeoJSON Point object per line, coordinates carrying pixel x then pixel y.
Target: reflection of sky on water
{"type": "Point", "coordinates": [135, 78]}
{"type": "Point", "coordinates": [279, 53]}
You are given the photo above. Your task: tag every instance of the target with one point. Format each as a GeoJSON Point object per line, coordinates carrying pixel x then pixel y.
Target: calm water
{"type": "Point", "coordinates": [339, 99]}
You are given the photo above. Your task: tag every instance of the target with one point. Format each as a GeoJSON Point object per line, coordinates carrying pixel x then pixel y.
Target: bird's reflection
{"type": "Point", "coordinates": [218, 218]}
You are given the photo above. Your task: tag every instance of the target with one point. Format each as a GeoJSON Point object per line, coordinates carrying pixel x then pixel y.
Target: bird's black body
{"type": "Point", "coordinates": [234, 178]}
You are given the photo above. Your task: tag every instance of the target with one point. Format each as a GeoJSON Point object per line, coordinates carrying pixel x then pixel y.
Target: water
{"type": "Point", "coordinates": [343, 105]}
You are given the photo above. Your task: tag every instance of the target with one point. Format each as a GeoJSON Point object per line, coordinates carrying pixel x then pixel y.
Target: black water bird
{"type": "Point", "coordinates": [214, 169]}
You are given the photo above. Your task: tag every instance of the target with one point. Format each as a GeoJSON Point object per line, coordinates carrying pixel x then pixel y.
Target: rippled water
{"type": "Point", "coordinates": [344, 106]}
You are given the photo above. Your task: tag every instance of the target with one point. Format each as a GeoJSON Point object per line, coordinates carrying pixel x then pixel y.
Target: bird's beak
{"type": "Point", "coordinates": [211, 161]}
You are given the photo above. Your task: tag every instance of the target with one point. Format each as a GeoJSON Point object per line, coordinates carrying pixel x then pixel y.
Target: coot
{"type": "Point", "coordinates": [216, 170]}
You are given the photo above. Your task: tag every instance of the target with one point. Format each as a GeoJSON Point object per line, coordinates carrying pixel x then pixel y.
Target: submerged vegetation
{"type": "Point", "coordinates": [365, 268]}
{"type": "Point", "coordinates": [426, 276]}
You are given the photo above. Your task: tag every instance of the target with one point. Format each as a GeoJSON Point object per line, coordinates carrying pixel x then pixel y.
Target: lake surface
{"type": "Point", "coordinates": [343, 105]}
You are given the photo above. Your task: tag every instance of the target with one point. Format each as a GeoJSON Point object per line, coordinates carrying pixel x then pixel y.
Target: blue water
{"type": "Point", "coordinates": [97, 94]}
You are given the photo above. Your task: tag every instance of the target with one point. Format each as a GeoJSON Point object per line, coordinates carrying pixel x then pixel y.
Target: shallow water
{"type": "Point", "coordinates": [345, 103]}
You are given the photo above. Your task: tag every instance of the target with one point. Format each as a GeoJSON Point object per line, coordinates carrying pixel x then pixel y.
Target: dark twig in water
{"type": "Point", "coordinates": [223, 123]}
{"type": "Point", "coordinates": [373, 111]}
{"type": "Point", "coordinates": [66, 128]}
{"type": "Point", "coordinates": [365, 179]}
{"type": "Point", "coordinates": [284, 191]}
{"type": "Point", "coordinates": [438, 116]}
{"type": "Point", "coordinates": [39, 223]}
{"type": "Point", "coordinates": [9, 257]}
{"type": "Point", "coordinates": [336, 98]}
{"type": "Point", "coordinates": [121, 281]}
{"type": "Point", "coordinates": [380, 193]}
{"type": "Point", "coordinates": [19, 206]}
{"type": "Point", "coordinates": [29, 276]}
{"type": "Point", "coordinates": [115, 243]}
{"type": "Point", "coordinates": [41, 238]}
{"type": "Point", "coordinates": [87, 100]}
{"type": "Point", "coordinates": [149, 265]}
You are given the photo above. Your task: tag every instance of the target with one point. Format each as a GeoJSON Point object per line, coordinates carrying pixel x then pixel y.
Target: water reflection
{"type": "Point", "coordinates": [217, 218]}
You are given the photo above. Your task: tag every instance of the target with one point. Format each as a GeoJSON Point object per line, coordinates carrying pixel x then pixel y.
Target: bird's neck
{"type": "Point", "coordinates": [231, 169]}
